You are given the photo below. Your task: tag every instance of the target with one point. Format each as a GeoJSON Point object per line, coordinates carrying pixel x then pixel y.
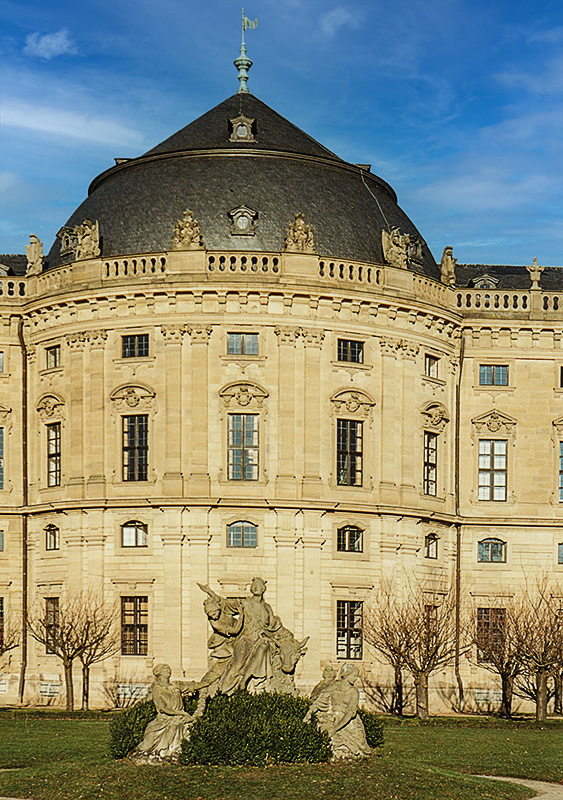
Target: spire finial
{"type": "Point", "coordinates": [243, 63]}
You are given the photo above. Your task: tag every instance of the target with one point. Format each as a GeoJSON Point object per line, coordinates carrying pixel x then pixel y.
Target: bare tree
{"type": "Point", "coordinates": [58, 627]}
{"type": "Point", "coordinates": [9, 633]}
{"type": "Point", "coordinates": [100, 637]}
{"type": "Point", "coordinates": [537, 622]}
{"type": "Point", "coordinates": [417, 633]}
{"type": "Point", "coordinates": [492, 631]}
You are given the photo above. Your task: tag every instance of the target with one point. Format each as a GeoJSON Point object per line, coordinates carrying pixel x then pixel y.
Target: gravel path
{"type": "Point", "coordinates": [545, 791]}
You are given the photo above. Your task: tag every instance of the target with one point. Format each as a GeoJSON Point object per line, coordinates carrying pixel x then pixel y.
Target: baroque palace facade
{"type": "Point", "coordinates": [240, 358]}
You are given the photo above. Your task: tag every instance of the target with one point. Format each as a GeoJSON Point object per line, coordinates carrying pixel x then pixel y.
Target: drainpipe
{"type": "Point", "coordinates": [25, 515]}
{"type": "Point", "coordinates": [458, 524]}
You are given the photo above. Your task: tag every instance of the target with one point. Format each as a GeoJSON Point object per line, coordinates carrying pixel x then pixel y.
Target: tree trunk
{"type": "Point", "coordinates": [398, 705]}
{"type": "Point", "coordinates": [85, 686]}
{"type": "Point", "coordinates": [558, 693]}
{"type": "Point", "coordinates": [507, 690]}
{"type": "Point", "coordinates": [69, 686]}
{"type": "Point", "coordinates": [421, 686]}
{"type": "Point", "coordinates": [541, 701]}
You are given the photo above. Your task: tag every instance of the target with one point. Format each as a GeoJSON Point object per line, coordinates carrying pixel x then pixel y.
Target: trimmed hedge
{"type": "Point", "coordinates": [127, 728]}
{"type": "Point", "coordinates": [374, 728]}
{"type": "Point", "coordinates": [255, 730]}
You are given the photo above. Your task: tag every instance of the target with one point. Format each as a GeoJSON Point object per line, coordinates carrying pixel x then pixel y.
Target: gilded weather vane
{"type": "Point", "coordinates": [243, 63]}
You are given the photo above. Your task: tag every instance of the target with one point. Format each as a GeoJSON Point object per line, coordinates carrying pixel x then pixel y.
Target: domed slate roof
{"type": "Point", "coordinates": [278, 172]}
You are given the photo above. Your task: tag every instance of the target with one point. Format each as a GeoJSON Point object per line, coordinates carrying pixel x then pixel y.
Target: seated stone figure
{"type": "Point", "coordinates": [336, 708]}
{"type": "Point", "coordinates": [163, 736]}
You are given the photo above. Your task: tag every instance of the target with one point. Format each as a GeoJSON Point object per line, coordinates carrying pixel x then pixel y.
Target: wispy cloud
{"type": "Point", "coordinates": [339, 17]}
{"type": "Point", "coordinates": [547, 80]}
{"type": "Point", "coordinates": [60, 122]}
{"type": "Point", "coordinates": [50, 45]}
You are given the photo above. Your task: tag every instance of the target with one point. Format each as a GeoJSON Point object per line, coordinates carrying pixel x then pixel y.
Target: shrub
{"type": "Point", "coordinates": [374, 727]}
{"type": "Point", "coordinates": [255, 730]}
{"type": "Point", "coordinates": [127, 728]}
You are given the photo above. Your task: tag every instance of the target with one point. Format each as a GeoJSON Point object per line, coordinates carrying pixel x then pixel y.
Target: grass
{"type": "Point", "coordinates": [48, 757]}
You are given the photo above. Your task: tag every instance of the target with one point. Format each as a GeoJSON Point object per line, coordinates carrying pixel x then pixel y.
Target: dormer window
{"type": "Point", "coordinates": [242, 129]}
{"type": "Point", "coordinates": [243, 221]}
{"type": "Point", "coordinates": [484, 282]}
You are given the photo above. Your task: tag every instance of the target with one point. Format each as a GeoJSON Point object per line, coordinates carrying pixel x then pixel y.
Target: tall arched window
{"type": "Point", "coordinates": [134, 534]}
{"type": "Point", "coordinates": [431, 546]}
{"type": "Point", "coordinates": [52, 537]}
{"type": "Point", "coordinates": [242, 534]}
{"type": "Point", "coordinates": [492, 550]}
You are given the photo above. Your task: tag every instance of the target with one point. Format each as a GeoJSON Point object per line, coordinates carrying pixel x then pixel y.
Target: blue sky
{"type": "Point", "coordinates": [457, 104]}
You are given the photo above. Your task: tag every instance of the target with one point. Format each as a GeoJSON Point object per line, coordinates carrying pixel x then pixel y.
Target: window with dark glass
{"type": "Point", "coordinates": [1, 361]}
{"type": "Point", "coordinates": [1, 458]}
{"type": "Point", "coordinates": [491, 624]}
{"type": "Point", "coordinates": [492, 469]}
{"type": "Point", "coordinates": [242, 534]}
{"type": "Point", "coordinates": [1, 541]}
{"type": "Point", "coordinates": [52, 537]}
{"type": "Point", "coordinates": [135, 345]}
{"type": "Point", "coordinates": [134, 534]}
{"type": "Point", "coordinates": [135, 447]}
{"type": "Point", "coordinates": [430, 462]}
{"type": "Point", "coordinates": [134, 626]}
{"type": "Point", "coordinates": [349, 539]}
{"type": "Point", "coordinates": [431, 546]}
{"type": "Point", "coordinates": [51, 623]}
{"type": "Point", "coordinates": [351, 350]}
{"type": "Point", "coordinates": [493, 375]}
{"type": "Point", "coordinates": [53, 356]}
{"type": "Point", "coordinates": [54, 454]}
{"type": "Point", "coordinates": [349, 452]}
{"type": "Point", "coordinates": [243, 447]}
{"type": "Point", "coordinates": [349, 629]}
{"type": "Point", "coordinates": [560, 472]}
{"type": "Point", "coordinates": [492, 550]}
{"type": "Point", "coordinates": [561, 377]}
{"type": "Point", "coordinates": [242, 344]}
{"type": "Point", "coordinates": [560, 553]}
{"type": "Point", "coordinates": [1, 624]}
{"type": "Point", "coordinates": [431, 366]}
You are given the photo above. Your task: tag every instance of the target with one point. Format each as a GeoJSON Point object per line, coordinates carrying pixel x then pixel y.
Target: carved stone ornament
{"type": "Point", "coordinates": [299, 236]}
{"type": "Point", "coordinates": [97, 338]}
{"type": "Point", "coordinates": [243, 221]}
{"type": "Point", "coordinates": [243, 395]}
{"type": "Point", "coordinates": [287, 335]}
{"type": "Point", "coordinates": [76, 341]}
{"type": "Point", "coordinates": [242, 129]}
{"type": "Point", "coordinates": [436, 416]}
{"type": "Point", "coordinates": [34, 252]}
{"type": "Point", "coordinates": [68, 241]}
{"type": "Point", "coordinates": [395, 247]}
{"type": "Point", "coordinates": [187, 234]}
{"type": "Point", "coordinates": [558, 424]}
{"type": "Point", "coordinates": [87, 239]}
{"type": "Point", "coordinates": [173, 333]}
{"type": "Point", "coordinates": [50, 408]}
{"type": "Point", "coordinates": [484, 282]}
{"type": "Point", "coordinates": [447, 267]}
{"type": "Point", "coordinates": [535, 274]}
{"type": "Point", "coordinates": [200, 334]}
{"type": "Point", "coordinates": [312, 338]}
{"type": "Point", "coordinates": [133, 396]}
{"type": "Point", "coordinates": [5, 412]}
{"type": "Point", "coordinates": [399, 347]}
{"type": "Point", "coordinates": [352, 402]}
{"type": "Point", "coordinates": [494, 422]}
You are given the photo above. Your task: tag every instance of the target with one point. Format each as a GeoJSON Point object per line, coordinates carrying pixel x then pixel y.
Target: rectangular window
{"type": "Point", "coordinates": [1, 624]}
{"type": "Point", "coordinates": [493, 375]}
{"type": "Point", "coordinates": [54, 454]}
{"type": "Point", "coordinates": [52, 538]}
{"type": "Point", "coordinates": [135, 447]}
{"type": "Point", "coordinates": [561, 377]}
{"type": "Point", "coordinates": [351, 350]}
{"type": "Point", "coordinates": [242, 344]}
{"type": "Point", "coordinates": [1, 361]}
{"type": "Point", "coordinates": [1, 458]}
{"type": "Point", "coordinates": [349, 539]}
{"type": "Point", "coordinates": [243, 447]}
{"type": "Point", "coordinates": [492, 469]}
{"type": "Point", "coordinates": [431, 366]}
{"type": "Point", "coordinates": [560, 553]}
{"type": "Point", "coordinates": [560, 472]}
{"type": "Point", "coordinates": [51, 623]}
{"type": "Point", "coordinates": [242, 534]}
{"type": "Point", "coordinates": [1, 541]}
{"type": "Point", "coordinates": [490, 632]}
{"type": "Point", "coordinates": [53, 357]}
{"type": "Point", "coordinates": [135, 346]}
{"type": "Point", "coordinates": [349, 629]}
{"type": "Point", "coordinates": [430, 462]}
{"type": "Point", "coordinates": [349, 452]}
{"type": "Point", "coordinates": [134, 626]}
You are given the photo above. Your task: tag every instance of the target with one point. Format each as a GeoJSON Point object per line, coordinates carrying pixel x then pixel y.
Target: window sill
{"type": "Point", "coordinates": [51, 371]}
{"type": "Point", "coordinates": [134, 360]}
{"type": "Point", "coordinates": [433, 381]}
{"type": "Point", "coordinates": [244, 359]}
{"type": "Point", "coordinates": [351, 365]}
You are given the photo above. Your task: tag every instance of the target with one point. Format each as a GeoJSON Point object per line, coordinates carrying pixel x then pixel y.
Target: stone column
{"type": "Point", "coordinates": [73, 444]}
{"type": "Point", "coordinates": [196, 570]}
{"type": "Point", "coordinates": [411, 447]}
{"type": "Point", "coordinates": [171, 612]}
{"type": "Point", "coordinates": [390, 432]}
{"type": "Point", "coordinates": [199, 483]}
{"type": "Point", "coordinates": [173, 478]}
{"type": "Point", "coordinates": [310, 622]}
{"type": "Point", "coordinates": [313, 341]}
{"type": "Point", "coordinates": [286, 480]}
{"type": "Point", "coordinates": [95, 415]}
{"type": "Point", "coordinates": [286, 539]}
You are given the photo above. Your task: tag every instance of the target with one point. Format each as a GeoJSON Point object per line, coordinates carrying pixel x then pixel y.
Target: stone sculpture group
{"type": "Point", "coordinates": [249, 648]}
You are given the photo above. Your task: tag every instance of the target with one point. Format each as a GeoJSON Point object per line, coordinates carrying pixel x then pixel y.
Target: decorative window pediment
{"type": "Point", "coordinates": [494, 422]}
{"type": "Point", "coordinates": [484, 282]}
{"type": "Point", "coordinates": [5, 412]}
{"type": "Point", "coordinates": [243, 395]}
{"type": "Point", "coordinates": [133, 396]}
{"type": "Point", "coordinates": [243, 221]}
{"type": "Point", "coordinates": [435, 416]}
{"type": "Point", "coordinates": [241, 128]}
{"type": "Point", "coordinates": [557, 424]}
{"type": "Point", "coordinates": [51, 408]}
{"type": "Point", "coordinates": [350, 401]}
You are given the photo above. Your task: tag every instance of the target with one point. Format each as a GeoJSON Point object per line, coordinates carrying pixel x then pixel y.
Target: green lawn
{"type": "Point", "coordinates": [61, 759]}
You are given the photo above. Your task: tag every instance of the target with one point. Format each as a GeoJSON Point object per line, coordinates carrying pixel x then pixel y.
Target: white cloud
{"type": "Point", "coordinates": [17, 114]}
{"type": "Point", "coordinates": [339, 17]}
{"type": "Point", "coordinates": [50, 45]}
{"type": "Point", "coordinates": [547, 80]}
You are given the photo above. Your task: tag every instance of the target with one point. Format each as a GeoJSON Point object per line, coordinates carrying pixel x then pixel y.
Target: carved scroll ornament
{"type": "Point", "coordinates": [352, 402]}
{"type": "Point", "coordinates": [244, 395]}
